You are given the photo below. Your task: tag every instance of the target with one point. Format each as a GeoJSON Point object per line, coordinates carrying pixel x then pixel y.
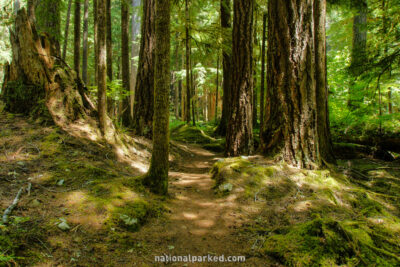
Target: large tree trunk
{"type": "Point", "coordinates": [135, 29]}
{"type": "Point", "coordinates": [66, 32]}
{"type": "Point", "coordinates": [77, 36]}
{"type": "Point", "coordinates": [225, 10]}
{"type": "Point", "coordinates": [239, 135]}
{"type": "Point", "coordinates": [85, 42]}
{"type": "Point", "coordinates": [157, 176]}
{"type": "Point", "coordinates": [297, 75]}
{"type": "Point", "coordinates": [35, 74]}
{"type": "Point", "coordinates": [142, 122]}
{"type": "Point", "coordinates": [126, 112]}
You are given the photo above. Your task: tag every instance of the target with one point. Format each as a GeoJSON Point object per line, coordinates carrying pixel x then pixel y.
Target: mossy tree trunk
{"type": "Point", "coordinates": [297, 80]}
{"type": "Point", "coordinates": [225, 9]}
{"type": "Point", "coordinates": [239, 135]}
{"type": "Point", "coordinates": [157, 176]}
{"type": "Point", "coordinates": [142, 122]}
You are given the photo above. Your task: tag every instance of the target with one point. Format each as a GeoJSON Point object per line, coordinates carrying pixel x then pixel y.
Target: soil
{"type": "Point", "coordinates": [195, 221]}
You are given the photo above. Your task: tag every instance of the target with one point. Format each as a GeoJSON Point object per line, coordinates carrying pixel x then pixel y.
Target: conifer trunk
{"type": "Point", "coordinates": [142, 122]}
{"type": "Point", "coordinates": [66, 32]}
{"type": "Point", "coordinates": [77, 36]}
{"type": "Point", "coordinates": [85, 42]}
{"type": "Point", "coordinates": [239, 135]}
{"type": "Point", "coordinates": [157, 176]}
{"type": "Point", "coordinates": [126, 114]}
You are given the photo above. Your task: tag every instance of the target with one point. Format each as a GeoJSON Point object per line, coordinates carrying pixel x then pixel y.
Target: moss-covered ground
{"type": "Point", "coordinates": [81, 200]}
{"type": "Point", "coordinates": [318, 218]}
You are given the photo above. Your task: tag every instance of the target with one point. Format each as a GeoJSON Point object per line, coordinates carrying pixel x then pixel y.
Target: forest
{"type": "Point", "coordinates": [200, 133]}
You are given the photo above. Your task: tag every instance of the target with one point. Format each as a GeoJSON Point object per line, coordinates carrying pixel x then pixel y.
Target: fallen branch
{"type": "Point", "coordinates": [8, 211]}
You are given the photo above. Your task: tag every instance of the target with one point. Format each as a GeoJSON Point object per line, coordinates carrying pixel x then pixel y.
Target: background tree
{"type": "Point", "coordinates": [85, 42]}
{"type": "Point", "coordinates": [239, 136]}
{"type": "Point", "coordinates": [66, 31]}
{"type": "Point", "coordinates": [142, 121]}
{"type": "Point", "coordinates": [102, 64]}
{"type": "Point", "coordinates": [225, 14]}
{"type": "Point", "coordinates": [157, 176]}
{"type": "Point", "coordinates": [126, 112]}
{"type": "Point", "coordinates": [77, 36]}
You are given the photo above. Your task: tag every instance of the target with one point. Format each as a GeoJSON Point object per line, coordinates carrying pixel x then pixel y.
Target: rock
{"type": "Point", "coordinates": [63, 225]}
{"type": "Point", "coordinates": [35, 203]}
{"type": "Point", "coordinates": [60, 182]}
{"type": "Point", "coordinates": [227, 187]}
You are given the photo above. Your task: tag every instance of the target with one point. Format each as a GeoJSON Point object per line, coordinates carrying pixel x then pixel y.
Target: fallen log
{"type": "Point", "coordinates": [8, 211]}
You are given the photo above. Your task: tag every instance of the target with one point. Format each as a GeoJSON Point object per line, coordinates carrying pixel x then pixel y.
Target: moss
{"type": "Point", "coordinates": [133, 214]}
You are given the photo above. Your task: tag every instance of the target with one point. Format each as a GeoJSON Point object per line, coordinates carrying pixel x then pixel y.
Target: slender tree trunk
{"type": "Point", "coordinates": [109, 41]}
{"type": "Point", "coordinates": [262, 89]}
{"type": "Point", "coordinates": [176, 85]}
{"type": "Point", "coordinates": [143, 110]}
{"type": "Point", "coordinates": [95, 29]}
{"type": "Point", "coordinates": [358, 53]}
{"type": "Point", "coordinates": [77, 36]}
{"type": "Point", "coordinates": [157, 176]}
{"type": "Point", "coordinates": [135, 29]}
{"type": "Point", "coordinates": [181, 91]}
{"type": "Point", "coordinates": [31, 6]}
{"type": "Point", "coordinates": [126, 114]}
{"type": "Point", "coordinates": [225, 9]}
{"type": "Point", "coordinates": [193, 96]}
{"type": "Point", "coordinates": [188, 80]}
{"type": "Point", "coordinates": [297, 75]}
{"type": "Point", "coordinates": [85, 42]}
{"type": "Point", "coordinates": [102, 64]}
{"type": "Point", "coordinates": [254, 93]}
{"type": "Point", "coordinates": [217, 90]}
{"type": "Point", "coordinates": [64, 52]}
{"type": "Point", "coordinates": [390, 104]}
{"type": "Point", "coordinates": [239, 135]}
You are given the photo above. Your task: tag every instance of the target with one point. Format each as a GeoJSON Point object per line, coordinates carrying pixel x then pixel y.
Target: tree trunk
{"type": "Point", "coordinates": [66, 32]}
{"type": "Point", "coordinates": [217, 89]}
{"type": "Point", "coordinates": [297, 75]}
{"type": "Point", "coordinates": [262, 89]}
{"type": "Point", "coordinates": [157, 176]}
{"type": "Point", "coordinates": [143, 110]}
{"type": "Point", "coordinates": [109, 40]}
{"type": "Point", "coordinates": [31, 6]}
{"type": "Point", "coordinates": [126, 114]}
{"type": "Point", "coordinates": [48, 21]}
{"type": "Point", "coordinates": [102, 64]}
{"type": "Point", "coordinates": [225, 9]}
{"type": "Point", "coordinates": [36, 75]}
{"type": "Point", "coordinates": [95, 30]}
{"type": "Point", "coordinates": [85, 42]}
{"type": "Point", "coordinates": [254, 93]}
{"type": "Point", "coordinates": [176, 85]}
{"type": "Point", "coordinates": [135, 28]}
{"type": "Point", "coordinates": [358, 53]}
{"type": "Point", "coordinates": [77, 36]}
{"type": "Point", "coordinates": [239, 135]}
{"type": "Point", "coordinates": [188, 80]}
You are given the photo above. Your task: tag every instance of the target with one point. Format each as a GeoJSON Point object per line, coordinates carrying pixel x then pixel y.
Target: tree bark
{"type": "Point", "coordinates": [187, 62]}
{"type": "Point", "coordinates": [254, 92]}
{"type": "Point", "coordinates": [239, 135]}
{"type": "Point", "coordinates": [95, 30]}
{"type": "Point", "coordinates": [217, 89]}
{"type": "Point", "coordinates": [126, 114]}
{"type": "Point", "coordinates": [135, 28]}
{"type": "Point", "coordinates": [109, 41]}
{"type": "Point", "coordinates": [85, 42]}
{"type": "Point", "coordinates": [157, 176]}
{"type": "Point", "coordinates": [297, 75]}
{"type": "Point", "coordinates": [102, 64]}
{"type": "Point", "coordinates": [77, 36]}
{"type": "Point", "coordinates": [142, 122]}
{"type": "Point", "coordinates": [225, 9]}
{"type": "Point", "coordinates": [262, 89]}
{"type": "Point", "coordinates": [176, 85]}
{"type": "Point", "coordinates": [66, 32]}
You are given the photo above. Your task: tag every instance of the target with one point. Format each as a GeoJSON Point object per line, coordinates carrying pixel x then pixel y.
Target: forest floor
{"type": "Point", "coordinates": [84, 185]}
{"type": "Point", "coordinates": [85, 208]}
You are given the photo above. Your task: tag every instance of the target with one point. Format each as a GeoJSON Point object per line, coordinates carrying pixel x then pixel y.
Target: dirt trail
{"type": "Point", "coordinates": [199, 222]}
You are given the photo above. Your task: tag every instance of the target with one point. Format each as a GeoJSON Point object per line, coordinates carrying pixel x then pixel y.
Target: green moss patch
{"type": "Point", "coordinates": [196, 135]}
{"type": "Point", "coordinates": [316, 218]}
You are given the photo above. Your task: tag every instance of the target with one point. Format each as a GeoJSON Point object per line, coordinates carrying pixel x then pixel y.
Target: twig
{"type": "Point", "coordinates": [12, 206]}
